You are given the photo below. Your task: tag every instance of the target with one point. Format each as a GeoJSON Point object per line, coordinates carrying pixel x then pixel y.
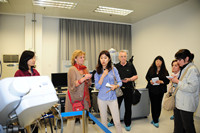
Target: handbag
{"type": "Point", "coordinates": [169, 99]}
{"type": "Point", "coordinates": [136, 96]}
{"type": "Point", "coordinates": [118, 91]}
{"type": "Point", "coordinates": [77, 105]}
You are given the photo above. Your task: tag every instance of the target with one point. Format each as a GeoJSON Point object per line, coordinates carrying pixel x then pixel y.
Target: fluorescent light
{"type": "Point", "coordinates": [111, 10]}
{"type": "Point", "coordinates": [53, 3]}
{"type": "Point", "coordinates": [3, 1]}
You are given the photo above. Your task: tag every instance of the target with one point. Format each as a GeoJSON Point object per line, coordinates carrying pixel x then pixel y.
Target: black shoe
{"type": "Point", "coordinates": [77, 120]}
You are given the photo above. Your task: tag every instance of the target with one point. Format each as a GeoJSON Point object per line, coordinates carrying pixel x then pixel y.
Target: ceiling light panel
{"type": "Point", "coordinates": [111, 10]}
{"type": "Point", "coordinates": [53, 3]}
{"type": "Point", "coordinates": [3, 1]}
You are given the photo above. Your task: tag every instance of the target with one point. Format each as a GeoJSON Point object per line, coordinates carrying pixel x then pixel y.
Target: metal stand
{"type": "Point", "coordinates": [85, 121]}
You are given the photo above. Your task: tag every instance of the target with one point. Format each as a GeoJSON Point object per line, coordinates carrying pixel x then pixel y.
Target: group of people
{"type": "Point", "coordinates": [123, 75]}
{"type": "Point", "coordinates": [186, 79]}
{"type": "Point", "coordinates": [79, 81]}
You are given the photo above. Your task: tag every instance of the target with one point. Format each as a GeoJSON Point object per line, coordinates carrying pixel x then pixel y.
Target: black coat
{"type": "Point", "coordinates": [157, 89]}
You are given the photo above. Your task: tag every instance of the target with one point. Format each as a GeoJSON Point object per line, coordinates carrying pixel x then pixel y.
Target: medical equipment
{"type": "Point", "coordinates": [24, 99]}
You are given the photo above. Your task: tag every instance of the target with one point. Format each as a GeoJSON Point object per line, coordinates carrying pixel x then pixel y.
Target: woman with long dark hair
{"type": "Point", "coordinates": [104, 82]}
{"type": "Point", "coordinates": [27, 65]}
{"type": "Point", "coordinates": [157, 85]}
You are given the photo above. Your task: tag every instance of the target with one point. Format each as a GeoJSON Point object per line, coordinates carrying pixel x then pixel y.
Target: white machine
{"type": "Point", "coordinates": [24, 99]}
{"type": "Point", "coordinates": [114, 55]}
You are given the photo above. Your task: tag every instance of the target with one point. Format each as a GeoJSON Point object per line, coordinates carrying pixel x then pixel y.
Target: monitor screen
{"type": "Point", "coordinates": [59, 79]}
{"type": "Point", "coordinates": [93, 73]}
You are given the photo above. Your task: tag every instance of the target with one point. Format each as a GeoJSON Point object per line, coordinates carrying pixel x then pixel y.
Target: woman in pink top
{"type": "Point", "coordinates": [27, 65]}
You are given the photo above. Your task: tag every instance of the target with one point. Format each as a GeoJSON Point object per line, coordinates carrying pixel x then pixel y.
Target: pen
{"type": "Point", "coordinates": [108, 90]}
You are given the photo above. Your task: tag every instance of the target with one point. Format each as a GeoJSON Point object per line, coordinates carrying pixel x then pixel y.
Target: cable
{"type": "Point", "coordinates": [56, 126]}
{"type": "Point", "coordinates": [47, 116]}
{"type": "Point", "coordinates": [9, 115]}
{"type": "Point", "coordinates": [39, 125]}
{"type": "Point", "coordinates": [45, 125]}
{"type": "Point", "coordinates": [34, 127]}
{"type": "Point", "coordinates": [60, 120]}
{"type": "Point", "coordinates": [50, 125]}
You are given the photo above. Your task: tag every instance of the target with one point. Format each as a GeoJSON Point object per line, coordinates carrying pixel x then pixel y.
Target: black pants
{"type": "Point", "coordinates": [183, 121]}
{"type": "Point", "coordinates": [156, 105]}
{"type": "Point", "coordinates": [127, 96]}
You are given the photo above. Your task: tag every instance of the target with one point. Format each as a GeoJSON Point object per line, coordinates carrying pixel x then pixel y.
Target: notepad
{"type": "Point", "coordinates": [169, 77]}
{"type": "Point", "coordinates": [154, 80]}
{"type": "Point", "coordinates": [108, 85]}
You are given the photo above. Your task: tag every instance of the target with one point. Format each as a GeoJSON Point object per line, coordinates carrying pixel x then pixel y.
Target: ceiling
{"type": "Point", "coordinates": [85, 9]}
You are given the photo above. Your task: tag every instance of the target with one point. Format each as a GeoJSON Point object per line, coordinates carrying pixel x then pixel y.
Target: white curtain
{"type": "Point", "coordinates": [92, 37]}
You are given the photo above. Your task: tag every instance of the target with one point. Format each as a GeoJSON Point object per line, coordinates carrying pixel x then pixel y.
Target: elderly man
{"type": "Point", "coordinates": [128, 75]}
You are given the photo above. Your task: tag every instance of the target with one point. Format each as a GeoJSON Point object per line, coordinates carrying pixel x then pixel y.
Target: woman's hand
{"type": "Point", "coordinates": [83, 79]}
{"type": "Point", "coordinates": [159, 82]}
{"type": "Point", "coordinates": [88, 76]}
{"type": "Point", "coordinates": [103, 76]}
{"type": "Point", "coordinates": [175, 80]}
{"type": "Point", "coordinates": [105, 73]}
{"type": "Point", "coordinates": [151, 82]}
{"type": "Point", "coordinates": [114, 87]}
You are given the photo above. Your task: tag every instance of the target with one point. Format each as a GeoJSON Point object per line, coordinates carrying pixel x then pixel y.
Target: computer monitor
{"type": "Point", "coordinates": [59, 80]}
{"type": "Point", "coordinates": [92, 79]}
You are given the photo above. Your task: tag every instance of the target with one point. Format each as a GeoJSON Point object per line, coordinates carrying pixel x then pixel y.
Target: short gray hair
{"type": "Point", "coordinates": [123, 51]}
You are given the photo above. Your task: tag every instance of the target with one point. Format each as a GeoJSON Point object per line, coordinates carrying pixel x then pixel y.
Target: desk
{"type": "Point", "coordinates": [61, 97]}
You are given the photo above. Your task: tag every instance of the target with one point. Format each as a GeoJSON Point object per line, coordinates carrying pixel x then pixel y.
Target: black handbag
{"type": "Point", "coordinates": [136, 97]}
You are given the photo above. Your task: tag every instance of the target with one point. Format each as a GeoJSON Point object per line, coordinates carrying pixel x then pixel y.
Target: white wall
{"type": "Point", "coordinates": [11, 39]}
{"type": "Point", "coordinates": [11, 34]}
{"type": "Point", "coordinates": [164, 34]}
{"type": "Point", "coordinates": [50, 46]}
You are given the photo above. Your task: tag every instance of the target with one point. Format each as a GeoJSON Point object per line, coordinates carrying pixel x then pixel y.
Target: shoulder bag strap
{"type": "Point", "coordinates": [181, 79]}
{"type": "Point", "coordinates": [83, 94]}
{"type": "Point", "coordinates": [114, 75]}
{"type": "Point", "coordinates": [69, 97]}
{"type": "Point", "coordinates": [171, 87]}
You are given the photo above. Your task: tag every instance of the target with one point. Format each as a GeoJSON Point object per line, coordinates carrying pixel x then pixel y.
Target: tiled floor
{"type": "Point", "coordinates": [138, 126]}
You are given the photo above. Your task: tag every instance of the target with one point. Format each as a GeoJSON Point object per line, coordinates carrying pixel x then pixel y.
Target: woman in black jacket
{"type": "Point", "coordinates": [157, 85]}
